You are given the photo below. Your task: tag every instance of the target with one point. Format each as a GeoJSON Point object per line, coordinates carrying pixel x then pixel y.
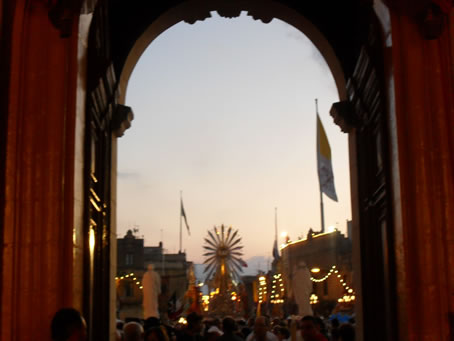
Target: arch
{"type": "Point", "coordinates": [265, 10]}
{"type": "Point", "coordinates": [346, 36]}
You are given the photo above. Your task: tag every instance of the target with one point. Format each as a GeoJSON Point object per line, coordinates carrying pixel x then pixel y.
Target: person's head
{"type": "Point", "coordinates": [245, 331]}
{"type": "Point", "coordinates": [346, 332]}
{"type": "Point", "coordinates": [151, 322]}
{"type": "Point", "coordinates": [241, 323]}
{"type": "Point", "coordinates": [68, 325]}
{"type": "Point", "coordinates": [217, 322]}
{"type": "Point", "coordinates": [228, 325]}
{"type": "Point", "coordinates": [319, 324]}
{"type": "Point", "coordinates": [194, 322]}
{"type": "Point", "coordinates": [261, 326]}
{"type": "Point", "coordinates": [283, 334]}
{"type": "Point", "coordinates": [308, 329]}
{"type": "Point", "coordinates": [335, 323]}
{"type": "Point", "coordinates": [133, 331]}
{"type": "Point", "coordinates": [155, 334]}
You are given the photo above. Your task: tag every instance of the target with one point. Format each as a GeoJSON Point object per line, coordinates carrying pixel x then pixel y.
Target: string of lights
{"type": "Point", "coordinates": [331, 271]}
{"type": "Point", "coordinates": [277, 290]}
{"type": "Point", "coordinates": [130, 277]}
{"type": "Point", "coordinates": [262, 289]}
{"type": "Point", "coordinates": [350, 293]}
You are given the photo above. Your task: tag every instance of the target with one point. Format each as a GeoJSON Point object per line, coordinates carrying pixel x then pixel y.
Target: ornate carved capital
{"type": "Point", "coordinates": [62, 14]}
{"type": "Point", "coordinates": [430, 15]}
{"type": "Point", "coordinates": [264, 16]}
{"type": "Point", "coordinates": [192, 18]}
{"type": "Point", "coordinates": [121, 119]}
{"type": "Point", "coordinates": [229, 13]}
{"type": "Point", "coordinates": [344, 116]}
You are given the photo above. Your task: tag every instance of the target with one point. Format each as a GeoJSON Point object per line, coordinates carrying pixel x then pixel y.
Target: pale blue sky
{"type": "Point", "coordinates": [224, 111]}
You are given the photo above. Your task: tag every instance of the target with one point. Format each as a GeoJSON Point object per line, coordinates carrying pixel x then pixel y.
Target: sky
{"type": "Point", "coordinates": [224, 112]}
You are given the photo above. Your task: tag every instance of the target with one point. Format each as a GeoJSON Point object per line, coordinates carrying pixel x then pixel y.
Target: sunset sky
{"type": "Point", "coordinates": [224, 111]}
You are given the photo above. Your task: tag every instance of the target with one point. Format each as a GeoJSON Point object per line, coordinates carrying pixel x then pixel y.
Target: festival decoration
{"type": "Point", "coordinates": [223, 252]}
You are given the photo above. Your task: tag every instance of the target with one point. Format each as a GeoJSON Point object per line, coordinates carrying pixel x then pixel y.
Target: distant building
{"type": "Point", "coordinates": [132, 261]}
{"type": "Point", "coordinates": [329, 258]}
{"type": "Point", "coordinates": [172, 267]}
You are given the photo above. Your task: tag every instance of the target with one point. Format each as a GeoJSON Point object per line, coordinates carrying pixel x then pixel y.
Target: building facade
{"type": "Point", "coordinates": [328, 258]}
{"type": "Point", "coordinates": [133, 259]}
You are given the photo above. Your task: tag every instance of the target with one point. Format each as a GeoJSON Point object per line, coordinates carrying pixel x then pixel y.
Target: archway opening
{"type": "Point", "coordinates": [225, 111]}
{"type": "Point", "coordinates": [346, 45]}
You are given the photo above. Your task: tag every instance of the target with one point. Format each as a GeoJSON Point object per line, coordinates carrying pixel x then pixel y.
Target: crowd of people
{"type": "Point", "coordinates": [68, 325]}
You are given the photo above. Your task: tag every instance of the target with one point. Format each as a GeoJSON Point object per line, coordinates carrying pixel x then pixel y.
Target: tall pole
{"type": "Point", "coordinates": [162, 253]}
{"type": "Point", "coordinates": [322, 213]}
{"type": "Point", "coordinates": [181, 220]}
{"type": "Point", "coordinates": [275, 223]}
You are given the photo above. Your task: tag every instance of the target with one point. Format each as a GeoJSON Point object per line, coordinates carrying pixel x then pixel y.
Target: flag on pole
{"type": "Point", "coordinates": [325, 168]}
{"type": "Point", "coordinates": [183, 214]}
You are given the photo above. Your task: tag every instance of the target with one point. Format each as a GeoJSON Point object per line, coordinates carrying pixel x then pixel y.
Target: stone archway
{"type": "Point", "coordinates": [361, 113]}
{"type": "Point", "coordinates": [42, 151]}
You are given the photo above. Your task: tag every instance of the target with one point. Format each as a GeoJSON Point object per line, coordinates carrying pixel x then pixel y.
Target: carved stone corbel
{"type": "Point", "coordinates": [229, 13]}
{"type": "Point", "coordinates": [344, 116]}
{"type": "Point", "coordinates": [192, 18]}
{"type": "Point", "coordinates": [121, 120]}
{"type": "Point", "coordinates": [433, 22]}
{"type": "Point", "coordinates": [62, 14]}
{"type": "Point", "coordinates": [264, 16]}
{"type": "Point", "coordinates": [430, 15]}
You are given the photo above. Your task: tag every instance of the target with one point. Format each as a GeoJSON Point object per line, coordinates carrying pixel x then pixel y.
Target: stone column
{"type": "Point", "coordinates": [422, 72]}
{"type": "Point", "coordinates": [38, 230]}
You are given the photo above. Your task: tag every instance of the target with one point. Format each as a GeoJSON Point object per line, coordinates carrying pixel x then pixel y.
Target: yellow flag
{"type": "Point", "coordinates": [325, 168]}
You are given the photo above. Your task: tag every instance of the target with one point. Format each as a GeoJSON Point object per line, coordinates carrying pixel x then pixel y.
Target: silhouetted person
{"type": "Point", "coordinates": [309, 331]}
{"type": "Point", "coordinates": [261, 330]}
{"type": "Point", "coordinates": [229, 328]}
{"type": "Point", "coordinates": [320, 325]}
{"type": "Point", "coordinates": [346, 332]}
{"type": "Point", "coordinates": [283, 334]}
{"type": "Point", "coordinates": [68, 325]}
{"type": "Point", "coordinates": [155, 334]}
{"type": "Point", "coordinates": [133, 331]}
{"type": "Point", "coordinates": [151, 322]}
{"type": "Point", "coordinates": [193, 329]}
{"type": "Point", "coordinates": [214, 330]}
{"type": "Point", "coordinates": [334, 329]}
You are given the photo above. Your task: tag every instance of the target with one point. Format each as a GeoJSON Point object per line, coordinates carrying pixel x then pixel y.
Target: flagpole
{"type": "Point", "coordinates": [181, 217]}
{"type": "Point", "coordinates": [322, 212]}
{"type": "Point", "coordinates": [275, 223]}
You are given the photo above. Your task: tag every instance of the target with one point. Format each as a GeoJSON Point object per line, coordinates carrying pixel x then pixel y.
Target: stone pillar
{"type": "Point", "coordinates": [38, 230]}
{"type": "Point", "coordinates": [423, 73]}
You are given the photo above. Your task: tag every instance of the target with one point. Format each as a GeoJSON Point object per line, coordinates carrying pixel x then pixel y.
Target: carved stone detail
{"type": "Point", "coordinates": [121, 120]}
{"type": "Point", "coordinates": [229, 13]}
{"type": "Point", "coordinates": [62, 14]}
{"type": "Point", "coordinates": [263, 16]}
{"type": "Point", "coordinates": [430, 15]}
{"type": "Point", "coordinates": [193, 17]}
{"type": "Point", "coordinates": [344, 116]}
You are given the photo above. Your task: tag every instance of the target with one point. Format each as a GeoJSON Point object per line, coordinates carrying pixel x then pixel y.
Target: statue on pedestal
{"type": "Point", "coordinates": [151, 283]}
{"type": "Point", "coordinates": [301, 288]}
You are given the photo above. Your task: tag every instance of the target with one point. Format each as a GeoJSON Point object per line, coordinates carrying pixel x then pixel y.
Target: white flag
{"type": "Point", "coordinates": [325, 168]}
